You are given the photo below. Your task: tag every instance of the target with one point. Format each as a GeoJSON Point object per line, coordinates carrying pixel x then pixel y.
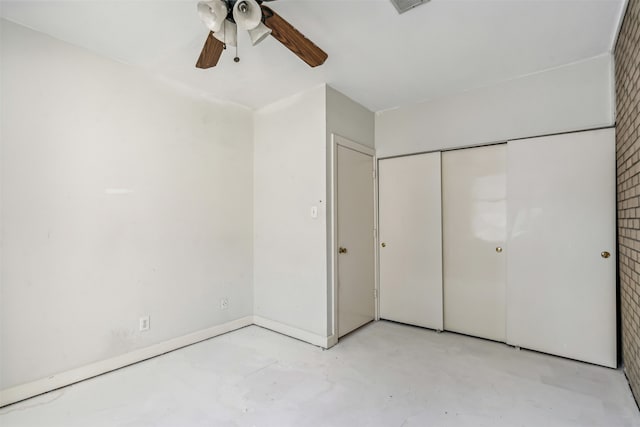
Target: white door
{"type": "Point", "coordinates": [561, 263]}
{"type": "Point", "coordinates": [356, 242]}
{"type": "Point", "coordinates": [474, 211]}
{"type": "Point", "coordinates": [411, 240]}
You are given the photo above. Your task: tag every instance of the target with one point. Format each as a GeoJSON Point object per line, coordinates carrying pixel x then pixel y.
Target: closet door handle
{"type": "Point", "coordinates": [499, 249]}
{"type": "Point", "coordinates": [384, 245]}
{"type": "Point", "coordinates": [605, 254]}
{"type": "Point", "coordinates": [342, 250]}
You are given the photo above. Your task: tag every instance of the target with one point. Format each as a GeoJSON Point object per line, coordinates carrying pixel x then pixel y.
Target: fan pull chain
{"type": "Point", "coordinates": [237, 58]}
{"type": "Point", "coordinates": [224, 34]}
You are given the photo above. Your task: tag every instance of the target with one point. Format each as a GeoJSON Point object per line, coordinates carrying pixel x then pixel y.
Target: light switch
{"type": "Point", "coordinates": [314, 212]}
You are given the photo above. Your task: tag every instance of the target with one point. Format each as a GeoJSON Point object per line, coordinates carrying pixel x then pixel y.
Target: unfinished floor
{"type": "Point", "coordinates": [384, 374]}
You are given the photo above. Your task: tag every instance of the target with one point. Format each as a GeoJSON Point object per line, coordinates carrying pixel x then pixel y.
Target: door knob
{"type": "Point", "coordinates": [342, 250]}
{"type": "Point", "coordinates": [605, 254]}
{"type": "Point", "coordinates": [499, 249]}
{"type": "Point", "coordinates": [384, 245]}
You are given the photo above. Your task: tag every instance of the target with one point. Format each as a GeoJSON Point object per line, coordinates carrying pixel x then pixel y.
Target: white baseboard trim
{"type": "Point", "coordinates": [292, 332]}
{"type": "Point", "coordinates": [332, 340]}
{"type": "Point", "coordinates": [63, 379]}
{"type": "Point", "coordinates": [25, 391]}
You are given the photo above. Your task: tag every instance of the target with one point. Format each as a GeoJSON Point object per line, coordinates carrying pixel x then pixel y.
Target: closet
{"type": "Point", "coordinates": [525, 236]}
{"type": "Point", "coordinates": [410, 217]}
{"type": "Point", "coordinates": [561, 268]}
{"type": "Point", "coordinates": [474, 224]}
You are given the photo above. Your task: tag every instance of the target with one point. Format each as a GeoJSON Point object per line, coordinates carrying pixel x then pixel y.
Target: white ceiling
{"type": "Point", "coordinates": [377, 57]}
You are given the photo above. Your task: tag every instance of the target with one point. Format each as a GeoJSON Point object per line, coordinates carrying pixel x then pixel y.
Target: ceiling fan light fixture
{"type": "Point", "coordinates": [259, 33]}
{"type": "Point", "coordinates": [260, 21]}
{"type": "Point", "coordinates": [404, 5]}
{"type": "Point", "coordinates": [247, 14]}
{"type": "Point", "coordinates": [213, 13]}
{"type": "Point", "coordinates": [228, 34]}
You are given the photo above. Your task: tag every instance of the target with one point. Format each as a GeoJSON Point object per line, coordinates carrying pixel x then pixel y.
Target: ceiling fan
{"type": "Point", "coordinates": [223, 18]}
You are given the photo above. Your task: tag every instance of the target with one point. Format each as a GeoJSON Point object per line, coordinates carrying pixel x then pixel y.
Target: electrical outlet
{"type": "Point", "coordinates": [224, 303]}
{"type": "Point", "coordinates": [145, 323]}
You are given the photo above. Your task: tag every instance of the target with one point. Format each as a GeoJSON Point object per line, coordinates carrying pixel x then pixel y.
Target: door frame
{"type": "Point", "coordinates": [337, 140]}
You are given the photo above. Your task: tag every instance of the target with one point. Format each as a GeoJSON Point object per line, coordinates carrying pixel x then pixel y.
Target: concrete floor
{"type": "Point", "coordinates": [384, 374]}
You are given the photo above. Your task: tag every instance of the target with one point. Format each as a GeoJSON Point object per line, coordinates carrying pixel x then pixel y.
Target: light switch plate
{"type": "Point", "coordinates": [145, 323]}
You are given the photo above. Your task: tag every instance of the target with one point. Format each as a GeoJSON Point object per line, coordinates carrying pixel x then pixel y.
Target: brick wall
{"type": "Point", "coordinates": [627, 57]}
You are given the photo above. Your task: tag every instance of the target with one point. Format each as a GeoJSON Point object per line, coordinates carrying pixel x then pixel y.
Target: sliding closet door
{"type": "Point", "coordinates": [411, 240]}
{"type": "Point", "coordinates": [474, 191]}
{"type": "Point", "coordinates": [561, 263]}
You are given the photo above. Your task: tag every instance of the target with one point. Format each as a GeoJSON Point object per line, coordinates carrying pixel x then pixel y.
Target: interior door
{"type": "Point", "coordinates": [355, 225]}
{"type": "Point", "coordinates": [410, 220]}
{"type": "Point", "coordinates": [561, 265]}
{"type": "Point", "coordinates": [474, 206]}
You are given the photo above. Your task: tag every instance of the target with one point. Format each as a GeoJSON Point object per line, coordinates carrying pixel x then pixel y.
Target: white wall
{"type": "Point", "coordinates": [120, 197]}
{"type": "Point", "coordinates": [574, 97]}
{"type": "Point", "coordinates": [290, 266]}
{"type": "Point", "coordinates": [351, 120]}
{"type": "Point", "coordinates": [291, 168]}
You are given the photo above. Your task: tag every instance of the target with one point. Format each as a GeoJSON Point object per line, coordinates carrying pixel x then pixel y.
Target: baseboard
{"type": "Point", "coordinates": [63, 379]}
{"type": "Point", "coordinates": [332, 340]}
{"type": "Point", "coordinates": [293, 332]}
{"type": "Point", "coordinates": [25, 391]}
